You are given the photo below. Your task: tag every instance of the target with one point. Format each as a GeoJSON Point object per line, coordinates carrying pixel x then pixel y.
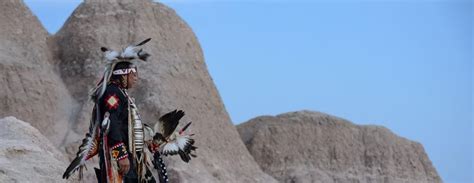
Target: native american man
{"type": "Point", "coordinates": [128, 149]}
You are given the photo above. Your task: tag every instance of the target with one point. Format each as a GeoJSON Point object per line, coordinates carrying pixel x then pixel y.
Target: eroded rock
{"type": "Point", "coordinates": [309, 146]}
{"type": "Point", "coordinates": [26, 155]}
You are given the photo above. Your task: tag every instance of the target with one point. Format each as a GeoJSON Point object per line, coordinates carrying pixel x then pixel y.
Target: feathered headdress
{"type": "Point", "coordinates": [128, 54]}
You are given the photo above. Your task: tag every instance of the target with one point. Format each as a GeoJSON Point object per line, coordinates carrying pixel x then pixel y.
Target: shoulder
{"type": "Point", "coordinates": [113, 97]}
{"type": "Point", "coordinates": [114, 89]}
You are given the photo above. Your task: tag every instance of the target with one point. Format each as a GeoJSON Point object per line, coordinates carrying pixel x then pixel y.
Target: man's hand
{"type": "Point", "coordinates": [124, 166]}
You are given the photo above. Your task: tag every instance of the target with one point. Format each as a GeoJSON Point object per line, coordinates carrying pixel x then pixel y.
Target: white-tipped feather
{"type": "Point", "coordinates": [135, 52]}
{"type": "Point", "coordinates": [173, 142]}
{"type": "Point", "coordinates": [131, 52]}
{"type": "Point", "coordinates": [170, 148]}
{"type": "Point", "coordinates": [111, 55]}
{"type": "Point", "coordinates": [99, 90]}
{"type": "Point", "coordinates": [87, 149]}
{"type": "Point", "coordinates": [104, 82]}
{"type": "Point", "coordinates": [180, 142]}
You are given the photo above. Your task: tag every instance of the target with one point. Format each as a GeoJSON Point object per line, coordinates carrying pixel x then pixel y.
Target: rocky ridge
{"type": "Point", "coordinates": [26, 155]}
{"type": "Point", "coordinates": [307, 146]}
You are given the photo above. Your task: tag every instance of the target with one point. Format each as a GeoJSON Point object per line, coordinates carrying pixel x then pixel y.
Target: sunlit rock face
{"type": "Point", "coordinates": [26, 155]}
{"type": "Point", "coordinates": [310, 146]}
{"type": "Point", "coordinates": [30, 88]}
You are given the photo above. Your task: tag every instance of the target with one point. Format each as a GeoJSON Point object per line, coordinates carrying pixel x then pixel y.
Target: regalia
{"type": "Point", "coordinates": [117, 132]}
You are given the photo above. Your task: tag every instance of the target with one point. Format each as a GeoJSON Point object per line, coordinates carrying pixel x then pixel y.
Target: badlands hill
{"type": "Point", "coordinates": [307, 146]}
{"type": "Point", "coordinates": [45, 80]}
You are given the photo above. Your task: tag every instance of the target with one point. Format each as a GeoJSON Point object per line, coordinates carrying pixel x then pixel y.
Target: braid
{"type": "Point", "coordinates": [124, 81]}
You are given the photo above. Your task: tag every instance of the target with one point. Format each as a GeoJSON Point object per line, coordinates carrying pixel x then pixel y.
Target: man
{"type": "Point", "coordinates": [116, 132]}
{"type": "Point", "coordinates": [125, 145]}
{"type": "Point", "coordinates": [115, 104]}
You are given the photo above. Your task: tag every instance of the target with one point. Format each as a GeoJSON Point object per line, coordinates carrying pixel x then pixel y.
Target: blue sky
{"type": "Point", "coordinates": [406, 65]}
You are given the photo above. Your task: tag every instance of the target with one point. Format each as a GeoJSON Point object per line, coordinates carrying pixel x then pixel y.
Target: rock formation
{"type": "Point", "coordinates": [174, 77]}
{"type": "Point", "coordinates": [315, 147]}
{"type": "Point", "coordinates": [45, 80]}
{"type": "Point", "coordinates": [30, 88]}
{"type": "Point", "coordinates": [40, 73]}
{"type": "Point", "coordinates": [26, 155]}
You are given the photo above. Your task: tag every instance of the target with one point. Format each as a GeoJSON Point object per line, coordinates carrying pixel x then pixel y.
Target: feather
{"type": "Point", "coordinates": [100, 88]}
{"type": "Point", "coordinates": [183, 141]}
{"type": "Point", "coordinates": [113, 57]}
{"type": "Point", "coordinates": [143, 42]}
{"type": "Point", "coordinates": [134, 51]}
{"type": "Point", "coordinates": [103, 87]}
{"type": "Point", "coordinates": [170, 149]}
{"type": "Point", "coordinates": [87, 149]}
{"type": "Point", "coordinates": [168, 123]}
{"type": "Point", "coordinates": [130, 52]}
{"type": "Point", "coordinates": [184, 128]}
{"type": "Point", "coordinates": [110, 55]}
{"type": "Point", "coordinates": [171, 142]}
{"type": "Point", "coordinates": [182, 145]}
{"type": "Point", "coordinates": [185, 157]}
{"type": "Point", "coordinates": [142, 55]}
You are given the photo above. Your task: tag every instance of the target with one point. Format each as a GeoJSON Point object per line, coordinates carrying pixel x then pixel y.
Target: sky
{"type": "Point", "coordinates": [405, 65]}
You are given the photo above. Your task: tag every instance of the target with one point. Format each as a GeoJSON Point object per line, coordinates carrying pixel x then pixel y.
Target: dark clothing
{"type": "Point", "coordinates": [115, 102]}
{"type": "Point", "coordinates": [130, 177]}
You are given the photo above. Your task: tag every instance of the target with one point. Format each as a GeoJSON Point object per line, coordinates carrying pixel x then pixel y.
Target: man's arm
{"type": "Point", "coordinates": [116, 103]}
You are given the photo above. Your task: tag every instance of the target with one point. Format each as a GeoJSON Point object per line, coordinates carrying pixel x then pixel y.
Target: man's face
{"type": "Point", "coordinates": [132, 78]}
